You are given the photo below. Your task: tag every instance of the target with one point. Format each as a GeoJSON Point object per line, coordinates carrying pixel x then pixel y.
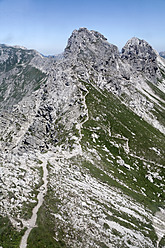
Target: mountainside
{"type": "Point", "coordinates": [82, 145]}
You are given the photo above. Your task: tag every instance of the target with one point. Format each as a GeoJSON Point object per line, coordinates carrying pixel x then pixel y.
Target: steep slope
{"type": "Point", "coordinates": [97, 121]}
{"type": "Point", "coordinates": [19, 73]}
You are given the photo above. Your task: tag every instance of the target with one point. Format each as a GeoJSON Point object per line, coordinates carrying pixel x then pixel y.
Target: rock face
{"type": "Point", "coordinates": [92, 47]}
{"type": "Point", "coordinates": [21, 72]}
{"type": "Point", "coordinates": [141, 56]}
{"type": "Point", "coordinates": [89, 125]}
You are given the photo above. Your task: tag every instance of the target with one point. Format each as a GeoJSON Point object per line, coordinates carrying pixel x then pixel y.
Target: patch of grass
{"type": "Point", "coordinates": [26, 80]}
{"type": "Point", "coordinates": [162, 242]}
{"type": "Point", "coordinates": [9, 236]}
{"type": "Point", "coordinates": [39, 161]}
{"type": "Point", "coordinates": [122, 122]}
{"type": "Point", "coordinates": [106, 226]}
{"type": "Point", "coordinates": [156, 90]}
{"type": "Point", "coordinates": [162, 72]}
{"type": "Point", "coordinates": [27, 207]}
{"type": "Point", "coordinates": [26, 211]}
{"type": "Point", "coordinates": [113, 123]}
{"type": "Point", "coordinates": [102, 245]}
{"type": "Point", "coordinates": [43, 235]}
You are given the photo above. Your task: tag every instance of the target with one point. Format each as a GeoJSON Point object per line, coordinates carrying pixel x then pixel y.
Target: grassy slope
{"type": "Point", "coordinates": [43, 235]}
{"type": "Point", "coordinates": [28, 80]}
{"type": "Point", "coordinates": [111, 116]}
{"type": "Point", "coordinates": [9, 236]}
{"type": "Point", "coordinates": [110, 113]}
{"type": "Point", "coordinates": [18, 77]}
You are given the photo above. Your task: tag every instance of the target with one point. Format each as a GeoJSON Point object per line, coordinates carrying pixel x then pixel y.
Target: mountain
{"type": "Point", "coordinates": [82, 145]}
{"type": "Point", "coordinates": [162, 54]}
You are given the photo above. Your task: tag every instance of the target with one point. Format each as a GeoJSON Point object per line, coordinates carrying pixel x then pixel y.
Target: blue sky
{"type": "Point", "coordinates": [46, 25]}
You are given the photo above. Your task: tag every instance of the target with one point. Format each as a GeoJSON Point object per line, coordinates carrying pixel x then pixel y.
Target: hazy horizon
{"type": "Point", "coordinates": [46, 25]}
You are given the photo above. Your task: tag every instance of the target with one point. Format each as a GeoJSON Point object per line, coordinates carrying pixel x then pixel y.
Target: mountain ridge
{"type": "Point", "coordinates": [94, 117]}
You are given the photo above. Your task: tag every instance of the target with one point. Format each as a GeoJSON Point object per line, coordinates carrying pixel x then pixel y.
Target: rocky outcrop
{"type": "Point", "coordinates": [92, 48]}
{"type": "Point", "coordinates": [142, 58]}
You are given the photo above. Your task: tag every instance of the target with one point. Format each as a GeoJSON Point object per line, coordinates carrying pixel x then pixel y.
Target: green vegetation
{"type": "Point", "coordinates": [110, 130]}
{"type": "Point", "coordinates": [29, 78]}
{"type": "Point", "coordinates": [22, 80]}
{"type": "Point", "coordinates": [113, 124]}
{"type": "Point", "coordinates": [26, 211]}
{"type": "Point", "coordinates": [125, 153]}
{"type": "Point", "coordinates": [156, 90]}
{"type": "Point", "coordinates": [40, 162]}
{"type": "Point", "coordinates": [43, 235]}
{"type": "Point", "coordinates": [162, 73]}
{"type": "Point", "coordinates": [162, 242]}
{"type": "Point", "coordinates": [9, 236]}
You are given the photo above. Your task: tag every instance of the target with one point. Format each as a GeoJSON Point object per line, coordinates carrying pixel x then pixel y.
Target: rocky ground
{"type": "Point", "coordinates": [82, 145]}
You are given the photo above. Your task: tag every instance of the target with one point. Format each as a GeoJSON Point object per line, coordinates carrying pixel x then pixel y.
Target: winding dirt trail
{"type": "Point", "coordinates": [31, 223]}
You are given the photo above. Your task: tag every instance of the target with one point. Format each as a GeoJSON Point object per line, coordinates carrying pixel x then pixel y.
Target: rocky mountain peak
{"type": "Point", "coordinates": [90, 50]}
{"type": "Point", "coordinates": [136, 41]}
{"type": "Point", "coordinates": [83, 36]}
{"type": "Point", "coordinates": [90, 35]}
{"type": "Point", "coordinates": [139, 48]}
{"type": "Point", "coordinates": [141, 56]}
{"type": "Point", "coordinates": [84, 42]}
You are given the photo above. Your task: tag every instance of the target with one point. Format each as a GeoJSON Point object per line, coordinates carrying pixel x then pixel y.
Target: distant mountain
{"type": "Point", "coordinates": [82, 145]}
{"type": "Point", "coordinates": [162, 54]}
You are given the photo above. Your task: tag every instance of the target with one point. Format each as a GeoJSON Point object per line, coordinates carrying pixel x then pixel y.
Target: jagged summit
{"type": "Point", "coordinates": [93, 47]}
{"type": "Point", "coordinates": [137, 41]}
{"type": "Point", "coordinates": [81, 31]}
{"type": "Point", "coordinates": [84, 35]}
{"type": "Point", "coordinates": [141, 56]}
{"type": "Point", "coordinates": [84, 41]}
{"type": "Point", "coordinates": [138, 47]}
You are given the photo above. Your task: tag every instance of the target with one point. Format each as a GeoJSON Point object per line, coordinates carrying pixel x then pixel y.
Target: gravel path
{"type": "Point", "coordinates": [30, 224]}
